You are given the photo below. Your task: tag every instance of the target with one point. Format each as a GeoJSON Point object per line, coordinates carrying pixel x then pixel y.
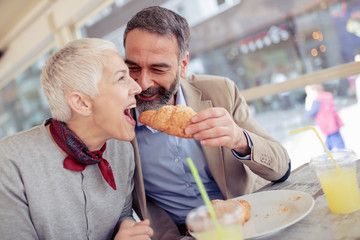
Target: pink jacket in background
{"type": "Point", "coordinates": [327, 118]}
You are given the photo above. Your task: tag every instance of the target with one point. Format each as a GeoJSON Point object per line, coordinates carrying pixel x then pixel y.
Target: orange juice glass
{"type": "Point", "coordinates": [340, 187]}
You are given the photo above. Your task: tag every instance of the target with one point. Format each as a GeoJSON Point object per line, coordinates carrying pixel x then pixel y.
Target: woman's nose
{"type": "Point", "coordinates": [136, 87]}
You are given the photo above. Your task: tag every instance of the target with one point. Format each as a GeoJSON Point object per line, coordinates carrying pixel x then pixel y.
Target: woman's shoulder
{"type": "Point", "coordinates": [23, 139]}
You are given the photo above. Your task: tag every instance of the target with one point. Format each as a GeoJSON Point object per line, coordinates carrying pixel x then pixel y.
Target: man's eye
{"type": "Point", "coordinates": [133, 68]}
{"type": "Point", "coordinates": [158, 70]}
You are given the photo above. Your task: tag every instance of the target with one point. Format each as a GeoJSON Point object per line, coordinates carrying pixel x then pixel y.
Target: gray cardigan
{"type": "Point", "coordinates": [39, 199]}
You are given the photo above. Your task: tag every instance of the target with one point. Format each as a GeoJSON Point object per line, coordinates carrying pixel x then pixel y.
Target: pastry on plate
{"type": "Point", "coordinates": [243, 203]}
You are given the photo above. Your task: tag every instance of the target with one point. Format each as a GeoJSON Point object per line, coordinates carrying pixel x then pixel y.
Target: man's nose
{"type": "Point", "coordinates": [144, 80]}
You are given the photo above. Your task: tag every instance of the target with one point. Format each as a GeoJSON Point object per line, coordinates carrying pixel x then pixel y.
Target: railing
{"type": "Point", "coordinates": [328, 74]}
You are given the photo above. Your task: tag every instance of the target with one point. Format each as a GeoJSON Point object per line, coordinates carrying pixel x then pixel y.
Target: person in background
{"type": "Point", "coordinates": [357, 80]}
{"type": "Point", "coordinates": [319, 105]}
{"type": "Point", "coordinates": [65, 179]}
{"type": "Point", "coordinates": [232, 152]}
{"type": "Point", "coordinates": [279, 76]}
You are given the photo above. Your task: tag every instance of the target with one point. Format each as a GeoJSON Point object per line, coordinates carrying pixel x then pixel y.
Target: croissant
{"type": "Point", "coordinates": [169, 119]}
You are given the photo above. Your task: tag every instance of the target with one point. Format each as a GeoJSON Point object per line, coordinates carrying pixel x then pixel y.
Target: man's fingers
{"type": "Point", "coordinates": [221, 141]}
{"type": "Point", "coordinates": [208, 113]}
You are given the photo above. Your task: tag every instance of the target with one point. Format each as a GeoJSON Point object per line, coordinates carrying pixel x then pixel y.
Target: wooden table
{"type": "Point", "coordinates": [320, 223]}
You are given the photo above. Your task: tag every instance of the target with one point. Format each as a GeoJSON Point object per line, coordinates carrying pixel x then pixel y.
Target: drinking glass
{"type": "Point", "coordinates": [339, 184]}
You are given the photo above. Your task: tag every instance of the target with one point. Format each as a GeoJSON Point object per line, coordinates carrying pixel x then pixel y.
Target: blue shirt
{"type": "Point", "coordinates": [168, 179]}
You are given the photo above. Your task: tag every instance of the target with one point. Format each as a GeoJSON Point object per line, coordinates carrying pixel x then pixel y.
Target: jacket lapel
{"type": "Point", "coordinates": [139, 199]}
{"type": "Point", "coordinates": [213, 155]}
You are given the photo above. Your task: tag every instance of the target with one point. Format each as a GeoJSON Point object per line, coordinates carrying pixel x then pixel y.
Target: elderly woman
{"type": "Point", "coordinates": [65, 179]}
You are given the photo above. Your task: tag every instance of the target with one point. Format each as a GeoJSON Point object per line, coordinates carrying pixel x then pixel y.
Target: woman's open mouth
{"type": "Point", "coordinates": [127, 113]}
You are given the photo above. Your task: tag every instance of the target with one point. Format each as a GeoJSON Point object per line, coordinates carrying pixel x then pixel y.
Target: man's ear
{"type": "Point", "coordinates": [80, 103]}
{"type": "Point", "coordinates": [184, 65]}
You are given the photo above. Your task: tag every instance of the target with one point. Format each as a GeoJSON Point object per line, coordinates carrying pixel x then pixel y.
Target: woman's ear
{"type": "Point", "coordinates": [79, 103]}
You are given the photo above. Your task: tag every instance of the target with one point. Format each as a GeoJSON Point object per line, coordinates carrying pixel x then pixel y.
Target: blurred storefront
{"type": "Point", "coordinates": [22, 102]}
{"type": "Point", "coordinates": [300, 38]}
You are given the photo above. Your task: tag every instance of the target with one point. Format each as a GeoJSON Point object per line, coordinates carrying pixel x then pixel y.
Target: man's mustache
{"type": "Point", "coordinates": [153, 91]}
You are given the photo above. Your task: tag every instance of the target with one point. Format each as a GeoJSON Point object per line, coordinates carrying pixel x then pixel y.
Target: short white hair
{"type": "Point", "coordinates": [77, 67]}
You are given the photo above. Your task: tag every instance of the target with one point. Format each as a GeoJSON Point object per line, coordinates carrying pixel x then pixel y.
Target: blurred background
{"type": "Point", "coordinates": [271, 49]}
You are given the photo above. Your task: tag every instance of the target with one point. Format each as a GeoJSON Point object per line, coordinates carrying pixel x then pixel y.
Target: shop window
{"type": "Point", "coordinates": [23, 104]}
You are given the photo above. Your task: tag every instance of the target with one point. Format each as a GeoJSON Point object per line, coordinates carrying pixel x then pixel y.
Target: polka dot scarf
{"type": "Point", "coordinates": [78, 154]}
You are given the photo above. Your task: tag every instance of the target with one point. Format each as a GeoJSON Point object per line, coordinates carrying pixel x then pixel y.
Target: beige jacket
{"type": "Point", "coordinates": [269, 160]}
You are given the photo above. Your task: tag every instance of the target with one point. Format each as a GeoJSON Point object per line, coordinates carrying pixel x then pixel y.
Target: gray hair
{"type": "Point", "coordinates": [77, 67]}
{"type": "Point", "coordinates": [162, 21]}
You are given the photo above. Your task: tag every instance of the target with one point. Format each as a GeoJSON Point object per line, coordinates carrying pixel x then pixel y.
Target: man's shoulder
{"type": "Point", "coordinates": [210, 82]}
{"type": "Point", "coordinates": [221, 91]}
{"type": "Point", "coordinates": [194, 78]}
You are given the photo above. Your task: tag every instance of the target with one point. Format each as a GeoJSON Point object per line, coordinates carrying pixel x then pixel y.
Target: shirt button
{"type": "Point", "coordinates": [187, 185]}
{"type": "Point", "coordinates": [176, 159]}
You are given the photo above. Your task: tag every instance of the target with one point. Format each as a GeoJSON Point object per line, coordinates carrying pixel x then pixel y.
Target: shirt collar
{"type": "Point", "coordinates": [180, 100]}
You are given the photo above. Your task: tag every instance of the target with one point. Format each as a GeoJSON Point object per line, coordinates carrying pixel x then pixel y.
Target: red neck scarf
{"type": "Point", "coordinates": [78, 154]}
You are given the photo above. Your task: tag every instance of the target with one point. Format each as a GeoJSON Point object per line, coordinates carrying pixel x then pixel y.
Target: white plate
{"type": "Point", "coordinates": [272, 211]}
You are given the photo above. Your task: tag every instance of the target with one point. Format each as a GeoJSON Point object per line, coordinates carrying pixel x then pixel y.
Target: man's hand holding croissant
{"type": "Point", "coordinates": [212, 127]}
{"type": "Point", "coordinates": [215, 127]}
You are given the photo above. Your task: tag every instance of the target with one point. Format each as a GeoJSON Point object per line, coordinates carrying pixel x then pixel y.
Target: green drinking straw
{"type": "Point", "coordinates": [205, 197]}
{"type": "Point", "coordinates": [327, 150]}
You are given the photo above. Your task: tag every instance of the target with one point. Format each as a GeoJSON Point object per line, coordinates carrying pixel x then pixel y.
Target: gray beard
{"type": "Point", "coordinates": [163, 98]}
